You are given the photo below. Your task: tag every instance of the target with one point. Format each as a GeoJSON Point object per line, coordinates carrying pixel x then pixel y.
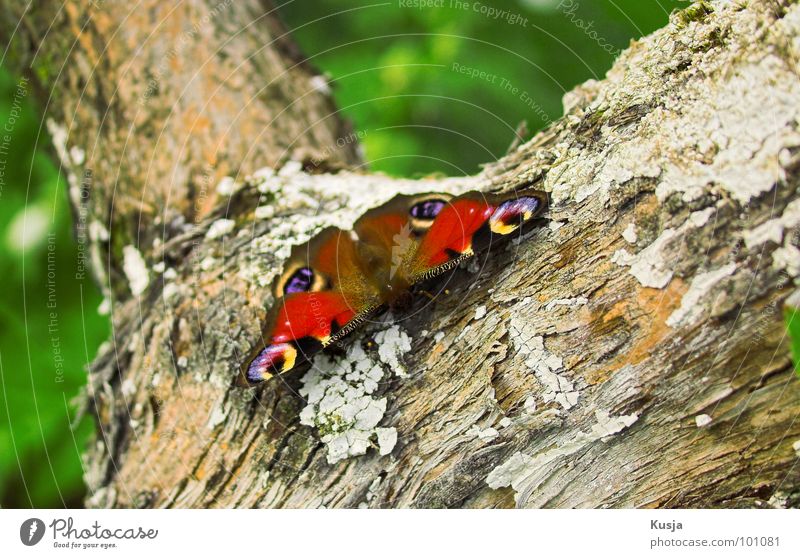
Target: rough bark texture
{"type": "Point", "coordinates": [629, 353]}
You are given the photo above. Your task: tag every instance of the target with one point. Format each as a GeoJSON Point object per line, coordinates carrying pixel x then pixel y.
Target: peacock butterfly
{"type": "Point", "coordinates": [334, 282]}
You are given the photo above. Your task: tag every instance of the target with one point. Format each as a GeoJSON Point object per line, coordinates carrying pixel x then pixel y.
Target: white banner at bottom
{"type": "Point", "coordinates": [380, 533]}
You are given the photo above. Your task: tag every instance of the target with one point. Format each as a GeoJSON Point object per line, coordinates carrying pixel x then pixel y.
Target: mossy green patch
{"type": "Point", "coordinates": [698, 11]}
{"type": "Point", "coordinates": [335, 425]}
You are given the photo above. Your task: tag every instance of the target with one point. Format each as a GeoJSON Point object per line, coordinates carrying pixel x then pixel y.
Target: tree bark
{"type": "Point", "coordinates": [629, 353]}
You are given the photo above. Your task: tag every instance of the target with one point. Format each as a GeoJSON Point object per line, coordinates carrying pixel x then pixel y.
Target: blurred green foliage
{"type": "Point", "coordinates": [791, 317]}
{"type": "Point", "coordinates": [394, 78]}
{"type": "Point", "coordinates": [48, 331]}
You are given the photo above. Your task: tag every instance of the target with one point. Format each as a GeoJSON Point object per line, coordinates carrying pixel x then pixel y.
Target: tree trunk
{"type": "Point", "coordinates": [629, 353]}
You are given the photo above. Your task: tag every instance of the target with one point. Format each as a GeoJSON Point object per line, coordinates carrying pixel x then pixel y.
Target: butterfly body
{"type": "Point", "coordinates": [337, 280]}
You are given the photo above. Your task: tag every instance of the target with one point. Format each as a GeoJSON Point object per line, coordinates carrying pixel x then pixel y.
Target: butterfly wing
{"type": "Point", "coordinates": [322, 294]}
{"type": "Point", "coordinates": [471, 223]}
{"type": "Point", "coordinates": [413, 238]}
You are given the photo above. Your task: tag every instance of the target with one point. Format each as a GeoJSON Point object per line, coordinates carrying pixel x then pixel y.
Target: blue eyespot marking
{"type": "Point", "coordinates": [512, 214]}
{"type": "Point", "coordinates": [512, 209]}
{"type": "Point", "coordinates": [427, 209]}
{"type": "Point", "coordinates": [272, 360]}
{"type": "Point", "coordinates": [300, 281]}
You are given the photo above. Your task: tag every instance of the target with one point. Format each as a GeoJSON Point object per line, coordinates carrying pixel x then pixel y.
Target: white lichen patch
{"type": "Point", "coordinates": [524, 473]}
{"type": "Point", "coordinates": [773, 229]}
{"type": "Point", "coordinates": [700, 218]}
{"type": "Point", "coordinates": [340, 397]}
{"type": "Point", "coordinates": [483, 434]}
{"type": "Point", "coordinates": [208, 263]}
{"type": "Point", "coordinates": [393, 343]}
{"type": "Point", "coordinates": [749, 126]}
{"type": "Point", "coordinates": [97, 232]}
{"type": "Point", "coordinates": [227, 186]}
{"type": "Point", "coordinates": [629, 234]}
{"type": "Point", "coordinates": [650, 266]}
{"type": "Point", "coordinates": [216, 417]}
{"type": "Point", "coordinates": [796, 447]}
{"type": "Point", "coordinates": [480, 312]}
{"type": "Point", "coordinates": [622, 163]}
{"type": "Point", "coordinates": [105, 307]}
{"type": "Point", "coordinates": [793, 300]}
{"type": "Point", "coordinates": [340, 403]}
{"type": "Point", "coordinates": [507, 473]}
{"type": "Point", "coordinates": [568, 302]}
{"type": "Point", "coordinates": [128, 387]}
{"type": "Point", "coordinates": [702, 420]}
{"type": "Point", "coordinates": [58, 135]}
{"type": "Point", "coordinates": [135, 270]}
{"type": "Point", "coordinates": [261, 245]}
{"type": "Point", "coordinates": [220, 227]}
{"type": "Point", "coordinates": [320, 84]}
{"type": "Point", "coordinates": [77, 155]}
{"type": "Point", "coordinates": [544, 365]}
{"type": "Point", "coordinates": [254, 273]}
{"type": "Point", "coordinates": [264, 212]}
{"type": "Point", "coordinates": [702, 285]}
{"type": "Point", "coordinates": [582, 175]}
{"type": "Point", "coordinates": [622, 257]}
{"type": "Point", "coordinates": [387, 440]}
{"type": "Point", "coordinates": [530, 405]}
{"type": "Point", "coordinates": [291, 168]}
{"type": "Point", "coordinates": [261, 175]}
{"type": "Point", "coordinates": [779, 500]}
{"type": "Point", "coordinates": [787, 258]}
{"type": "Point", "coordinates": [608, 426]}
{"type": "Point", "coordinates": [170, 293]}
{"type": "Point", "coordinates": [463, 332]}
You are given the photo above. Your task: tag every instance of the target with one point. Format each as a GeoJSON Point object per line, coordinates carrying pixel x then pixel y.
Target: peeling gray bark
{"type": "Point", "coordinates": [629, 353]}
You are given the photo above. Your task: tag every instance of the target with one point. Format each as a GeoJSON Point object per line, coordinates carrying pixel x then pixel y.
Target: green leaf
{"type": "Point", "coordinates": [791, 317]}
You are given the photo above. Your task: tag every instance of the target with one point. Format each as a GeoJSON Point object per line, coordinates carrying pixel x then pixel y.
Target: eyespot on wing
{"type": "Point", "coordinates": [300, 281]}
{"type": "Point", "coordinates": [273, 359]}
{"type": "Point", "coordinates": [513, 213]}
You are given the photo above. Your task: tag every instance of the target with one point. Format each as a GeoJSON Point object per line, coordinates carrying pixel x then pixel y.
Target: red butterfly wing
{"type": "Point", "coordinates": [452, 231]}
{"type": "Point", "coordinates": [469, 224]}
{"type": "Point", "coordinates": [321, 292]}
